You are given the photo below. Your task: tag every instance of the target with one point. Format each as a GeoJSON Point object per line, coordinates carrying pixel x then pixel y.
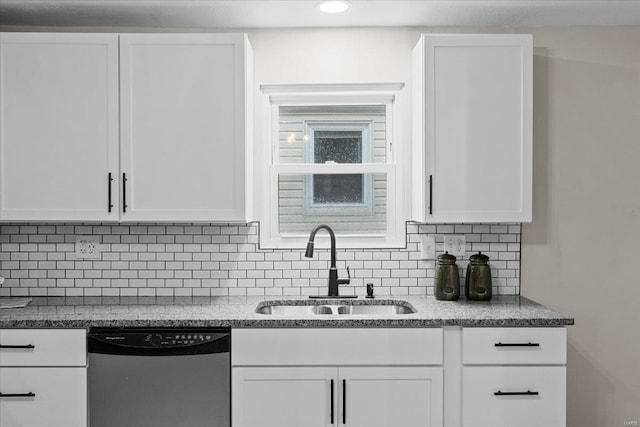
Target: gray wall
{"type": "Point", "coordinates": [580, 253]}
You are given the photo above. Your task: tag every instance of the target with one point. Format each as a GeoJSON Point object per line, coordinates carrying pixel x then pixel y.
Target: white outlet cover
{"type": "Point", "coordinates": [87, 247]}
{"type": "Point", "coordinates": [455, 244]}
{"type": "Point", "coordinates": [428, 247]}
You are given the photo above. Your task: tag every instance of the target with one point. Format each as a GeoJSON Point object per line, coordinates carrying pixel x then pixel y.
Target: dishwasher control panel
{"type": "Point", "coordinates": [179, 338]}
{"type": "Point", "coordinates": [159, 338]}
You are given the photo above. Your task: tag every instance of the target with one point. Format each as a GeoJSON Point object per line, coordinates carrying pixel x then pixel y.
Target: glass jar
{"type": "Point", "coordinates": [478, 279]}
{"type": "Point", "coordinates": [447, 278]}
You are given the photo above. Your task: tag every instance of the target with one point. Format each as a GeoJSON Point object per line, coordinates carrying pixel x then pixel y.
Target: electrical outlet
{"type": "Point", "coordinates": [88, 247]}
{"type": "Point", "coordinates": [455, 245]}
{"type": "Point", "coordinates": [428, 247]}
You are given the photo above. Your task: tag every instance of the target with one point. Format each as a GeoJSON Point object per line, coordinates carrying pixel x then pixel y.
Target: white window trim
{"type": "Point", "coordinates": [268, 170]}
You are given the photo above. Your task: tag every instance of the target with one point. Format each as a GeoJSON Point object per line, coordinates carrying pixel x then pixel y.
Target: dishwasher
{"type": "Point", "coordinates": [161, 377]}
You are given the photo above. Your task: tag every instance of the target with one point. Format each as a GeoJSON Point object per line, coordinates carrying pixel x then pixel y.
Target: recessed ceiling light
{"type": "Point", "coordinates": [334, 6]}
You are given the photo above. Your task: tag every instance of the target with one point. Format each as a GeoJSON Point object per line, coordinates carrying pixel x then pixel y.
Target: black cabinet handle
{"type": "Point", "coordinates": [124, 192]}
{"type": "Point", "coordinates": [331, 401]}
{"type": "Point", "coordinates": [109, 204]}
{"type": "Point", "coordinates": [430, 194]}
{"type": "Point", "coordinates": [18, 394]}
{"type": "Point", "coordinates": [516, 393]}
{"type": "Point", "coordinates": [344, 401]}
{"type": "Point", "coordinates": [18, 346]}
{"type": "Point", "coordinates": [527, 344]}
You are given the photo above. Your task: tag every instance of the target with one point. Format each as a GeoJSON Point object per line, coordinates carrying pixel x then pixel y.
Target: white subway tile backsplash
{"type": "Point", "coordinates": [221, 260]}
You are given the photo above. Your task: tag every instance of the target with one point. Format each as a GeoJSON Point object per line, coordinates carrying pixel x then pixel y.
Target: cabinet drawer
{"type": "Point", "coordinates": [357, 346]}
{"type": "Point", "coordinates": [43, 347]}
{"type": "Point", "coordinates": [60, 397]}
{"type": "Point", "coordinates": [486, 398]}
{"type": "Point", "coordinates": [514, 346]}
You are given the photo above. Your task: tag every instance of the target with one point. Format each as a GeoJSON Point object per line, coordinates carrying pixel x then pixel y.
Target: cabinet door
{"type": "Point", "coordinates": [59, 126]}
{"type": "Point", "coordinates": [59, 397]}
{"type": "Point", "coordinates": [284, 397]}
{"type": "Point", "coordinates": [523, 396]}
{"type": "Point", "coordinates": [473, 129]}
{"type": "Point", "coordinates": [183, 126]}
{"type": "Point", "coordinates": [391, 396]}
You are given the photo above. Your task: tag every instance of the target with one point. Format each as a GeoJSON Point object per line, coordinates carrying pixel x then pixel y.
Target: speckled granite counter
{"type": "Point", "coordinates": [240, 312]}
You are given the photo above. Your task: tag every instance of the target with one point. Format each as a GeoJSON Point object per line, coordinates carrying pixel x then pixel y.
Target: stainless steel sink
{"type": "Point", "coordinates": [307, 307]}
{"type": "Point", "coordinates": [376, 309]}
{"type": "Point", "coordinates": [294, 310]}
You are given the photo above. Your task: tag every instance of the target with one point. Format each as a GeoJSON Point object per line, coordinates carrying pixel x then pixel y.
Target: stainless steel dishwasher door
{"type": "Point", "coordinates": [145, 390]}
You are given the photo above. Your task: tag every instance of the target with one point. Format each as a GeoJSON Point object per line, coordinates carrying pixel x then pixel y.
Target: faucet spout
{"type": "Point", "coordinates": [309, 252]}
{"type": "Point", "coordinates": [333, 271]}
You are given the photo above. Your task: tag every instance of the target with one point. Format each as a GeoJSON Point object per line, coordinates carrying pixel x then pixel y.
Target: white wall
{"type": "Point", "coordinates": [332, 55]}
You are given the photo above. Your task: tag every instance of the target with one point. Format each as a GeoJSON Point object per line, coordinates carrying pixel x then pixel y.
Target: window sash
{"type": "Point", "coordinates": [330, 168]}
{"type": "Point", "coordinates": [389, 170]}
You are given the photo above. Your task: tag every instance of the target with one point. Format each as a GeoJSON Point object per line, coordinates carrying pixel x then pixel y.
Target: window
{"type": "Point", "coordinates": [332, 158]}
{"type": "Point", "coordinates": [336, 143]}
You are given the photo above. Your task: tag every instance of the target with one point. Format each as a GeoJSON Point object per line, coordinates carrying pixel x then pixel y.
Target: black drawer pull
{"type": "Point", "coordinates": [516, 393]}
{"type": "Point", "coordinates": [331, 401]}
{"type": "Point", "coordinates": [18, 394]}
{"type": "Point", "coordinates": [18, 346]}
{"type": "Point", "coordinates": [528, 344]}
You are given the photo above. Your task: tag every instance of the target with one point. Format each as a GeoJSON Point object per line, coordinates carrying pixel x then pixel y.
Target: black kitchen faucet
{"type": "Point", "coordinates": [334, 282]}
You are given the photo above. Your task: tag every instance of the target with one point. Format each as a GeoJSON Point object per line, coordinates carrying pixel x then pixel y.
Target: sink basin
{"type": "Point", "coordinates": [310, 307]}
{"type": "Point", "coordinates": [376, 309]}
{"type": "Point", "coordinates": [294, 310]}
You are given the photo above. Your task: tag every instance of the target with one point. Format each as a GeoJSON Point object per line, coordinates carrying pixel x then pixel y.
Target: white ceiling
{"type": "Point", "coordinates": [304, 13]}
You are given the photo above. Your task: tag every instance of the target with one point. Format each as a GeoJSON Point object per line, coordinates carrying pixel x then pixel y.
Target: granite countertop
{"type": "Point", "coordinates": [79, 312]}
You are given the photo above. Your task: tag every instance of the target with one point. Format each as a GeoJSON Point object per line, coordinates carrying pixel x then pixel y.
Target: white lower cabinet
{"type": "Point", "coordinates": [523, 396]}
{"type": "Point", "coordinates": [43, 378]}
{"type": "Point", "coordinates": [513, 377]}
{"type": "Point", "coordinates": [273, 384]}
{"type": "Point", "coordinates": [280, 397]}
{"type": "Point", "coordinates": [348, 396]}
{"type": "Point", "coordinates": [43, 397]}
{"type": "Point", "coordinates": [391, 396]}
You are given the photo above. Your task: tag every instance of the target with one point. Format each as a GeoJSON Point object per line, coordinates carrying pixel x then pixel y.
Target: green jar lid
{"type": "Point", "coordinates": [446, 258]}
{"type": "Point", "coordinates": [479, 258]}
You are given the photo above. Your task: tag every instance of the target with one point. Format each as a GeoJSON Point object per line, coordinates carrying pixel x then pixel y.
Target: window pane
{"type": "Point", "coordinates": [337, 128]}
{"type": "Point", "coordinates": [340, 146]}
{"type": "Point", "coordinates": [298, 215]}
{"type": "Point", "coordinates": [338, 189]}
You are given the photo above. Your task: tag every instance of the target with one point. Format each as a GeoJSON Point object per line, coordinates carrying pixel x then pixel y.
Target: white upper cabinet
{"type": "Point", "coordinates": [131, 127]}
{"type": "Point", "coordinates": [472, 128]}
{"type": "Point", "coordinates": [184, 104]}
{"type": "Point", "coordinates": [58, 126]}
